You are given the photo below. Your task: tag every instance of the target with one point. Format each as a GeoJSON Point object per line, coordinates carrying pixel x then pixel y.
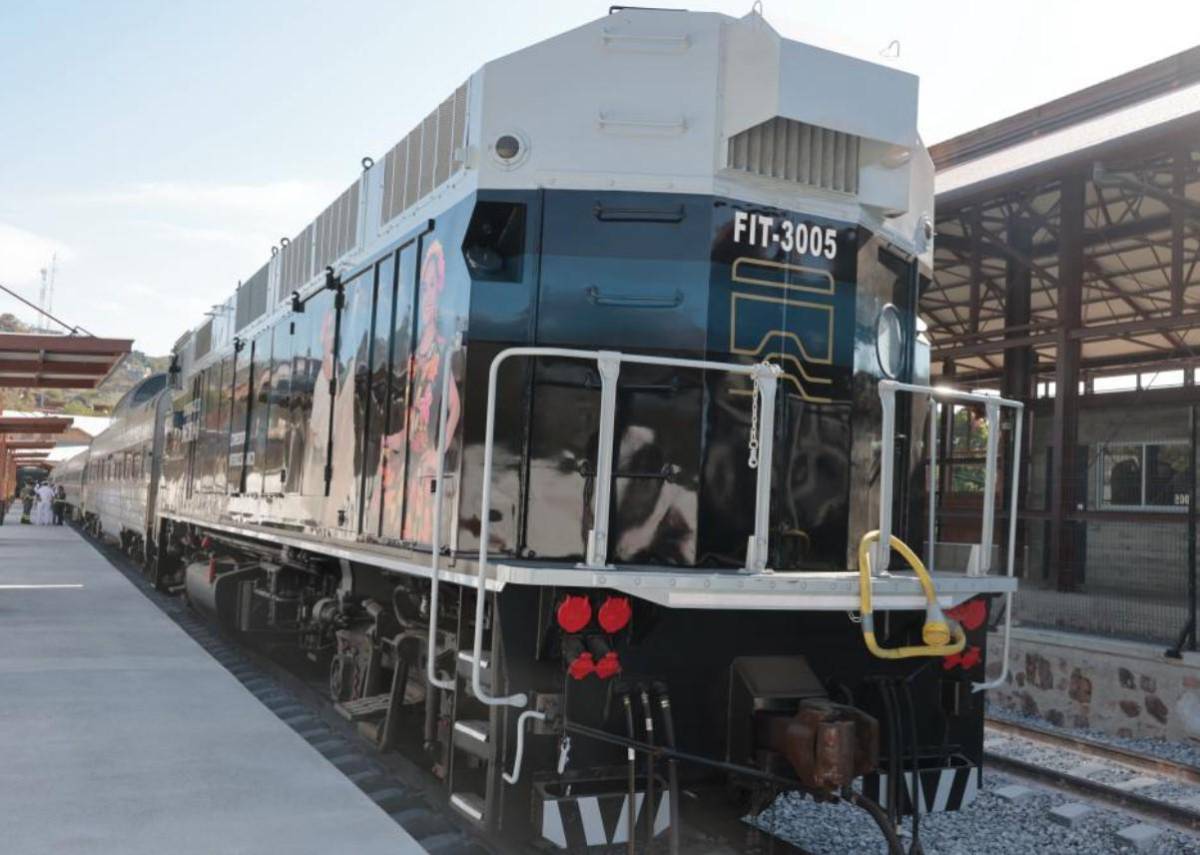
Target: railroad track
{"type": "Point", "coordinates": [411, 795]}
{"type": "Point", "coordinates": [1171, 812]}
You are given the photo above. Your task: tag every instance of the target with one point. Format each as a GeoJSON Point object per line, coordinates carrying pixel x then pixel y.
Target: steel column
{"type": "Point", "coordinates": [1179, 170]}
{"type": "Point", "coordinates": [1018, 281]}
{"type": "Point", "coordinates": [1066, 375]}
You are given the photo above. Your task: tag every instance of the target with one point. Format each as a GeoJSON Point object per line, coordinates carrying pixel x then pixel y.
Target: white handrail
{"type": "Point", "coordinates": [435, 571]}
{"type": "Point", "coordinates": [609, 363]}
{"type": "Point", "coordinates": [521, 719]}
{"type": "Point", "coordinates": [1012, 545]}
{"type": "Point", "coordinates": [887, 396]}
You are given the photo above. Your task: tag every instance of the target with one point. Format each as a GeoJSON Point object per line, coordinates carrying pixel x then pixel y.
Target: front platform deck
{"type": "Point", "coordinates": [119, 734]}
{"type": "Point", "coordinates": [681, 589]}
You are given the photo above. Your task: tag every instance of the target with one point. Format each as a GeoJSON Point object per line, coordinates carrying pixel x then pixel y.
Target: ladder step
{"type": "Point", "coordinates": [361, 708]}
{"type": "Point", "coordinates": [466, 659]}
{"type": "Point", "coordinates": [470, 805]}
{"type": "Point", "coordinates": [474, 737]}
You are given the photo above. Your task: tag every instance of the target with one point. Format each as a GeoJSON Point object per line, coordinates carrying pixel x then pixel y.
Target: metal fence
{"type": "Point", "coordinates": [1127, 568]}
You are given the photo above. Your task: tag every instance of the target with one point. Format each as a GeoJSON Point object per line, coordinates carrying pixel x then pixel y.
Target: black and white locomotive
{"type": "Point", "coordinates": [562, 439]}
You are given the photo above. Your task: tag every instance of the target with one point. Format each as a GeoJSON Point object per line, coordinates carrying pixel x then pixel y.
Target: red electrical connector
{"type": "Point", "coordinates": [614, 615]}
{"type": "Point", "coordinates": [574, 613]}
{"type": "Point", "coordinates": [582, 666]}
{"type": "Point", "coordinates": [608, 666]}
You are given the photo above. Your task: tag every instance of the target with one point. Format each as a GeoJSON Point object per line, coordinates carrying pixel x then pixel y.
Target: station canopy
{"type": "Point", "coordinates": [1074, 223]}
{"type": "Point", "coordinates": [40, 360]}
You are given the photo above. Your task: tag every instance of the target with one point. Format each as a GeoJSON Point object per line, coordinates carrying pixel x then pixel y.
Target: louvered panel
{"type": "Point", "coordinates": [796, 151]}
{"type": "Point", "coordinates": [428, 152]}
{"type": "Point", "coordinates": [350, 238]}
{"type": "Point", "coordinates": [389, 176]}
{"type": "Point", "coordinates": [445, 141]}
{"type": "Point", "coordinates": [252, 298]}
{"type": "Point", "coordinates": [460, 128]}
{"type": "Point", "coordinates": [398, 157]}
{"type": "Point", "coordinates": [412, 180]}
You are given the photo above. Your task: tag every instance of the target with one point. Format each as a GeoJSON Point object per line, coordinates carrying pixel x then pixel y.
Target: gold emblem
{"type": "Point", "coordinates": [757, 330]}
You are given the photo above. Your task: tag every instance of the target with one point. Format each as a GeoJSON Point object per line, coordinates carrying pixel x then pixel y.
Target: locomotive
{"type": "Point", "coordinates": [574, 438]}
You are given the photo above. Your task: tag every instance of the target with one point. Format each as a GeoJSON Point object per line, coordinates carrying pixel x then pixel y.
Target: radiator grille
{"type": "Point", "coordinates": [296, 265]}
{"type": "Point", "coordinates": [426, 158]}
{"type": "Point", "coordinates": [799, 152]}
{"type": "Point", "coordinates": [252, 298]}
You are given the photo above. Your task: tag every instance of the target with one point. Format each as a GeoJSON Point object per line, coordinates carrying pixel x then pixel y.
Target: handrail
{"type": "Point", "coordinates": [982, 565]}
{"type": "Point", "coordinates": [765, 377]}
{"type": "Point", "coordinates": [435, 572]}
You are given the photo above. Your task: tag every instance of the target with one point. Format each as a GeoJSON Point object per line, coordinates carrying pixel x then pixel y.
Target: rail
{"type": "Point", "coordinates": [765, 378]}
{"type": "Point", "coordinates": [980, 564]}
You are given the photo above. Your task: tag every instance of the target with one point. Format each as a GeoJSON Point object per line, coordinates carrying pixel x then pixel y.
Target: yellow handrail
{"type": "Point", "coordinates": [941, 637]}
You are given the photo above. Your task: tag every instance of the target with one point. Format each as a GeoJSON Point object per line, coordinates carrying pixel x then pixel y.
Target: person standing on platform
{"type": "Point", "coordinates": [60, 504]}
{"type": "Point", "coordinates": [45, 495]}
{"type": "Point", "coordinates": [27, 498]}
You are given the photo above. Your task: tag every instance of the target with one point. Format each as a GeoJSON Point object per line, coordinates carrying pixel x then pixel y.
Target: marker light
{"type": "Point", "coordinates": [614, 615]}
{"type": "Point", "coordinates": [582, 666]}
{"type": "Point", "coordinates": [574, 613]}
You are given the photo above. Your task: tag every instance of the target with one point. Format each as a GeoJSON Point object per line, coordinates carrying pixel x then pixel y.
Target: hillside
{"type": "Point", "coordinates": [80, 402]}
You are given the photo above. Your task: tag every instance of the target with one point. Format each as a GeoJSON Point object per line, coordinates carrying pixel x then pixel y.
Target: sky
{"type": "Point", "coordinates": [158, 149]}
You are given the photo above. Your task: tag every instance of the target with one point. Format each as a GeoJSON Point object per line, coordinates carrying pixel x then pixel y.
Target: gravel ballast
{"type": "Point", "coordinates": [990, 826]}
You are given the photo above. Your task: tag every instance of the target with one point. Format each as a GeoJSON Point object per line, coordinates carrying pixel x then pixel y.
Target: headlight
{"type": "Point", "coordinates": [889, 341]}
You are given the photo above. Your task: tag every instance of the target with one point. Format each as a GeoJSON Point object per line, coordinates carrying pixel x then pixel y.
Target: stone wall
{"type": "Point", "coordinates": [1081, 681]}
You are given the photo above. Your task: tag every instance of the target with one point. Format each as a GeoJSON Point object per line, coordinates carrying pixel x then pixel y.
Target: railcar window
{"type": "Point", "coordinates": [275, 458]}
{"type": "Point", "coordinates": [260, 414]}
{"type": "Point", "coordinates": [393, 464]}
{"type": "Point", "coordinates": [349, 418]}
{"type": "Point", "coordinates": [377, 393]}
{"type": "Point", "coordinates": [220, 446]}
{"type": "Point", "coordinates": [239, 423]}
{"type": "Point", "coordinates": [312, 373]}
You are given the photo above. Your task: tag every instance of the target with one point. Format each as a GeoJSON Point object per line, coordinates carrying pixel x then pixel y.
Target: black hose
{"type": "Point", "coordinates": [632, 810]}
{"type": "Point", "coordinates": [881, 819]}
{"type": "Point", "coordinates": [915, 848]}
{"type": "Point", "coordinates": [648, 712]}
{"type": "Point", "coordinates": [893, 808]}
{"type": "Point", "coordinates": [668, 724]}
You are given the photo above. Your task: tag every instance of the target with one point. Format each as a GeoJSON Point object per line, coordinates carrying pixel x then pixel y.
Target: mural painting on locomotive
{"type": "Point", "coordinates": [315, 458]}
{"type": "Point", "coordinates": [420, 437]}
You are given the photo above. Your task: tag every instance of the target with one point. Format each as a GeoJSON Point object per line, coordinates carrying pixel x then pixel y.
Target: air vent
{"type": "Point", "coordinates": [799, 152]}
{"type": "Point", "coordinates": [297, 263]}
{"type": "Point", "coordinates": [252, 298]}
{"type": "Point", "coordinates": [426, 158]}
{"type": "Point", "coordinates": [337, 229]}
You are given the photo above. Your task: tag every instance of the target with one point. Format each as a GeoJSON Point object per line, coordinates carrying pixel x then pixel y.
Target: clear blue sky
{"type": "Point", "coordinates": [160, 148]}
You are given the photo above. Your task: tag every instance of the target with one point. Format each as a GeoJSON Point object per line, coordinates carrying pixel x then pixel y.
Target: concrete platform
{"type": "Point", "coordinates": [119, 734]}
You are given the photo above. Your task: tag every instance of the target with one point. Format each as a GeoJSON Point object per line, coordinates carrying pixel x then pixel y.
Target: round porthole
{"type": "Point", "coordinates": [889, 341]}
{"type": "Point", "coordinates": [510, 149]}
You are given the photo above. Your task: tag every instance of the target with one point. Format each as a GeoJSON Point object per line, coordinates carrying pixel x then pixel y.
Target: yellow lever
{"type": "Point", "coordinates": [940, 636]}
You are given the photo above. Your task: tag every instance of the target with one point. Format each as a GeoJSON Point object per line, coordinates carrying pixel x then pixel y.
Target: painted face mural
{"type": "Point", "coordinates": [419, 437]}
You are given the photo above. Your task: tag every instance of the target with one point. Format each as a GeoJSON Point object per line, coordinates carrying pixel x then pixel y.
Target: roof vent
{"type": "Point", "coordinates": [799, 152]}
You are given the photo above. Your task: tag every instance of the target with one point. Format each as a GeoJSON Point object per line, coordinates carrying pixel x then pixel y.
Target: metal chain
{"type": "Point", "coordinates": [752, 459]}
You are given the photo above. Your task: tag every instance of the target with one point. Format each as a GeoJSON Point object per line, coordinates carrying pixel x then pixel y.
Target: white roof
{"type": "Point", "coordinates": [1154, 112]}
